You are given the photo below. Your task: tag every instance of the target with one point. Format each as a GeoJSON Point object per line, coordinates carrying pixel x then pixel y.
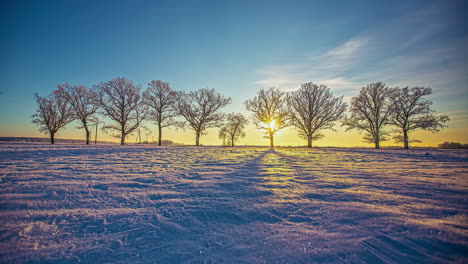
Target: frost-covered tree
{"type": "Point", "coordinates": [161, 100]}
{"type": "Point", "coordinates": [83, 101]}
{"type": "Point", "coordinates": [121, 102]}
{"type": "Point", "coordinates": [370, 113]}
{"type": "Point", "coordinates": [313, 109]}
{"type": "Point", "coordinates": [410, 111]}
{"type": "Point", "coordinates": [53, 112]}
{"type": "Point", "coordinates": [233, 129]}
{"type": "Point", "coordinates": [201, 109]}
{"type": "Point", "coordinates": [269, 111]}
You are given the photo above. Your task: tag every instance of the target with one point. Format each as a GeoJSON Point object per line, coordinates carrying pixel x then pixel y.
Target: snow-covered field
{"type": "Point", "coordinates": [146, 204]}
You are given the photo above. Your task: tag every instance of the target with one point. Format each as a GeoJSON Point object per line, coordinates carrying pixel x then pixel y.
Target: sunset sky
{"type": "Point", "coordinates": [236, 47]}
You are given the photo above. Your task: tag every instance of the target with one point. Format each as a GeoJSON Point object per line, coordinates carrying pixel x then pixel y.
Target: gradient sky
{"type": "Point", "coordinates": [237, 47]}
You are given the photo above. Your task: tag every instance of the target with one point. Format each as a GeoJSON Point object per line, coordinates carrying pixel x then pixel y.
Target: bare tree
{"type": "Point", "coordinates": [233, 129]}
{"type": "Point", "coordinates": [411, 111]}
{"type": "Point", "coordinates": [121, 101]}
{"type": "Point", "coordinates": [223, 135]}
{"type": "Point", "coordinates": [161, 99]}
{"type": "Point", "coordinates": [53, 113]}
{"type": "Point", "coordinates": [313, 109]}
{"type": "Point", "coordinates": [269, 111]}
{"type": "Point", "coordinates": [83, 101]}
{"type": "Point", "coordinates": [201, 109]}
{"type": "Point", "coordinates": [370, 112]}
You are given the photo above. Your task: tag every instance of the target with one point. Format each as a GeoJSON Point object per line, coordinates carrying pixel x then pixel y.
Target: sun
{"type": "Point", "coordinates": [272, 124]}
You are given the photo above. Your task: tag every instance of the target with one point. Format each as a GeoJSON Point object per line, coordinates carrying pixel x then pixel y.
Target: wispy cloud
{"type": "Point", "coordinates": [444, 68]}
{"type": "Point", "coordinates": [323, 69]}
{"type": "Point", "coordinates": [459, 115]}
{"type": "Point", "coordinates": [401, 52]}
{"type": "Point", "coordinates": [349, 49]}
{"type": "Point", "coordinates": [425, 32]}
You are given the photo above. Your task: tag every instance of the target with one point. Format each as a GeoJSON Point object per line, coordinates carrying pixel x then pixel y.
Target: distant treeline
{"type": "Point", "coordinates": [453, 145]}
{"type": "Point", "coordinates": [164, 142]}
{"type": "Point", "coordinates": [36, 139]}
{"type": "Point", "coordinates": [74, 141]}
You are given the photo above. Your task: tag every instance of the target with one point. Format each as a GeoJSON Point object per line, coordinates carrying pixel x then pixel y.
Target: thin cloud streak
{"type": "Point", "coordinates": [391, 53]}
{"type": "Point", "coordinates": [322, 68]}
{"type": "Point", "coordinates": [348, 49]}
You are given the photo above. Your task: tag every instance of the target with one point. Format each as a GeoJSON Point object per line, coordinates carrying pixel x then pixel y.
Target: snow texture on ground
{"type": "Point", "coordinates": [147, 204]}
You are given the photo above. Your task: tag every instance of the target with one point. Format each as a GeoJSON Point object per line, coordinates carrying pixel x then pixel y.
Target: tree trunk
{"type": "Point", "coordinates": [95, 136]}
{"type": "Point", "coordinates": [271, 139]}
{"type": "Point", "coordinates": [122, 136]}
{"type": "Point", "coordinates": [405, 138]}
{"type": "Point", "coordinates": [232, 141]}
{"type": "Point", "coordinates": [197, 139]}
{"type": "Point", "coordinates": [87, 135]}
{"type": "Point", "coordinates": [377, 144]}
{"type": "Point", "coordinates": [159, 134]}
{"type": "Point", "coordinates": [52, 138]}
{"type": "Point", "coordinates": [309, 141]}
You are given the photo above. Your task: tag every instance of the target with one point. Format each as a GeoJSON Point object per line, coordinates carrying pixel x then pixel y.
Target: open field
{"type": "Point", "coordinates": [146, 204]}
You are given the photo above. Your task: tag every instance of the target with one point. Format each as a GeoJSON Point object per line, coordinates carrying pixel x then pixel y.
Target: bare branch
{"type": "Point", "coordinates": [410, 111]}
{"type": "Point", "coordinates": [121, 101]}
{"type": "Point", "coordinates": [161, 100]}
{"type": "Point", "coordinates": [82, 100]}
{"type": "Point", "coordinates": [370, 112]}
{"type": "Point", "coordinates": [201, 109]}
{"type": "Point", "coordinates": [269, 111]}
{"type": "Point", "coordinates": [233, 130]}
{"type": "Point", "coordinates": [313, 109]}
{"type": "Point", "coordinates": [52, 114]}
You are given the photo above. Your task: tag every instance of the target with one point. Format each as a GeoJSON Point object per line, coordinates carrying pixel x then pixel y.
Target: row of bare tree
{"type": "Point", "coordinates": [311, 109]}
{"type": "Point", "coordinates": [122, 102]}
{"type": "Point", "coordinates": [377, 111]}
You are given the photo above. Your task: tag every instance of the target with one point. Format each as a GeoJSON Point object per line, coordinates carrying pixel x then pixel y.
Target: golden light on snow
{"type": "Point", "coordinates": [290, 196]}
{"type": "Point", "coordinates": [280, 179]}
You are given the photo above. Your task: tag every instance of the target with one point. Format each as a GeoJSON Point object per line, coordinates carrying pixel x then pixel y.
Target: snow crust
{"type": "Point", "coordinates": [145, 204]}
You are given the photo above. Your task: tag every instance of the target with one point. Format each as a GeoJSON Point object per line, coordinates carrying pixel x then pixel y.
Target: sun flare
{"type": "Point", "coordinates": [272, 124]}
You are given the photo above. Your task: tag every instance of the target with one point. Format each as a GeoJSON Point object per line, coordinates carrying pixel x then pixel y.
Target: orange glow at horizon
{"type": "Point", "coordinates": [456, 132]}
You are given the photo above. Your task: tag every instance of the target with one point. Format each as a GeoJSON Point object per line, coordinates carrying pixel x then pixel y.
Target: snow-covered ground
{"type": "Point", "coordinates": [147, 204]}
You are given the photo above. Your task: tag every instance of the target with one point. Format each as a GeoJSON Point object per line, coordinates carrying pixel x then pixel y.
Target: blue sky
{"type": "Point", "coordinates": [237, 47]}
